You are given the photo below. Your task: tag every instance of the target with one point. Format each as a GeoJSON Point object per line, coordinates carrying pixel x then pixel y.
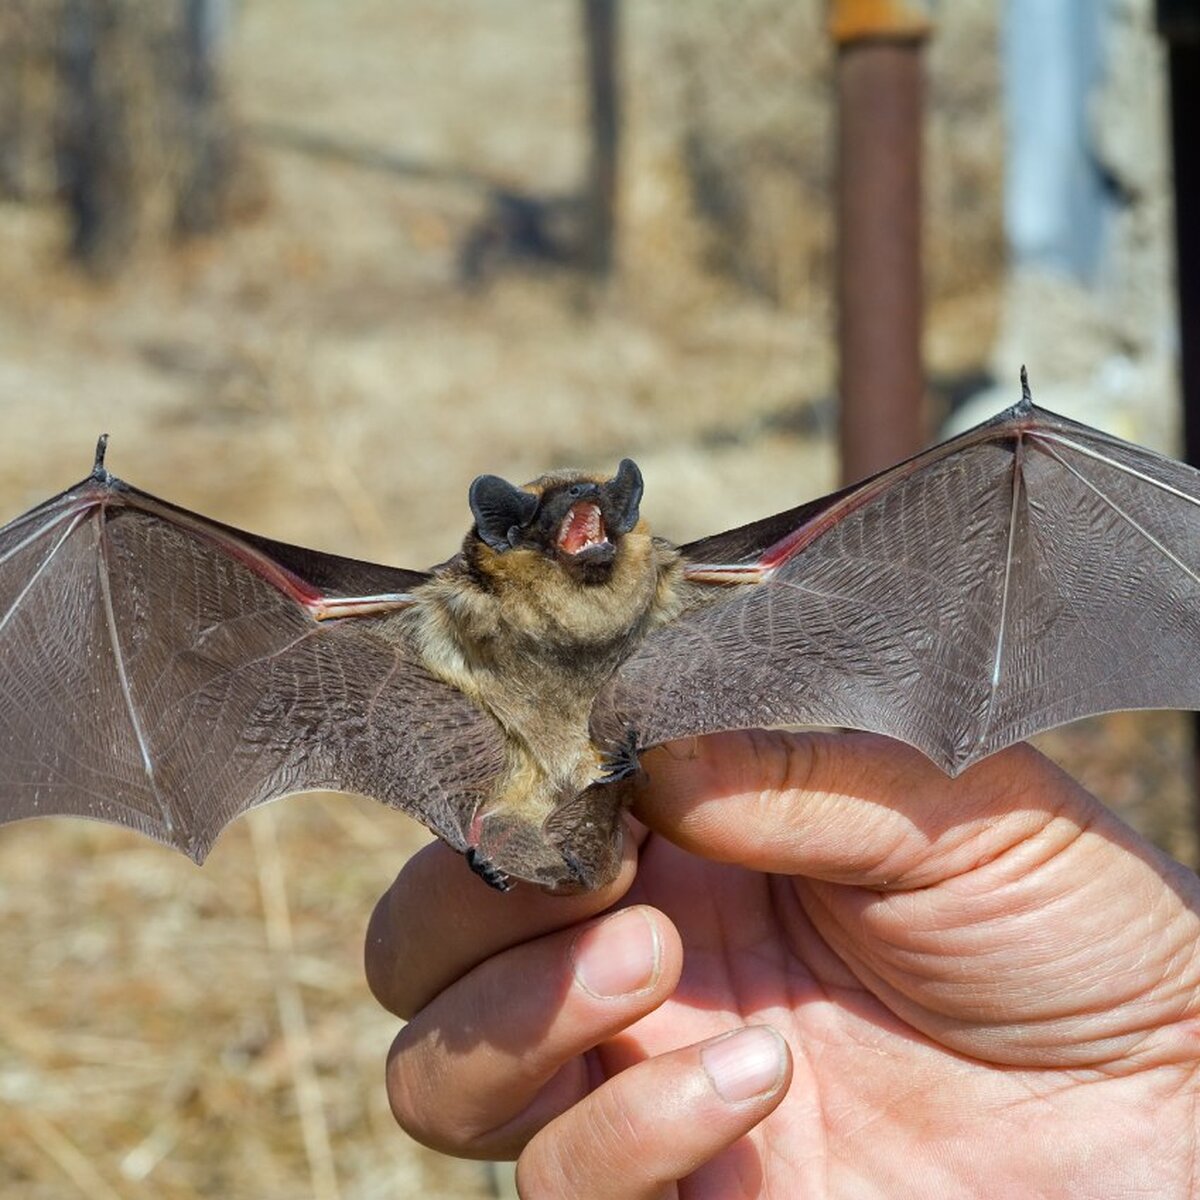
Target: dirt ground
{"type": "Point", "coordinates": [322, 375]}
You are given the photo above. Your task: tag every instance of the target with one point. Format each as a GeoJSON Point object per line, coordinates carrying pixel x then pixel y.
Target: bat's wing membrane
{"type": "Point", "coordinates": [165, 672]}
{"type": "Point", "coordinates": [1027, 573]}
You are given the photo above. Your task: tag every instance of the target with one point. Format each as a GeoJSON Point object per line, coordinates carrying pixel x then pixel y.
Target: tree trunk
{"type": "Point", "coordinates": [147, 146]}
{"type": "Point", "coordinates": [600, 19]}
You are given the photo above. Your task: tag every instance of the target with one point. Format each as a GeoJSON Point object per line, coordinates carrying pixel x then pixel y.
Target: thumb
{"type": "Point", "coordinates": [1057, 935]}
{"type": "Point", "coordinates": [852, 808]}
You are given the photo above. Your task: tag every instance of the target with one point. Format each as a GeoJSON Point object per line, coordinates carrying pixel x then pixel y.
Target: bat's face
{"type": "Point", "coordinates": [574, 520]}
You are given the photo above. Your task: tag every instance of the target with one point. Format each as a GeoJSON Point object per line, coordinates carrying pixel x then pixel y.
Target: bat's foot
{"type": "Point", "coordinates": [580, 876]}
{"type": "Point", "coordinates": [621, 762]}
{"type": "Point", "coordinates": [487, 870]}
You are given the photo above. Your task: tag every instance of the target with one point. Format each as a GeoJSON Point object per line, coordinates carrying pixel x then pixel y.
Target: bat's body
{"type": "Point", "coordinates": [165, 672]}
{"type": "Point", "coordinates": [531, 637]}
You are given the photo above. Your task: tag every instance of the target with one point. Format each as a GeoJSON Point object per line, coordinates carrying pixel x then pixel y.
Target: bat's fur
{"type": "Point", "coordinates": [531, 639]}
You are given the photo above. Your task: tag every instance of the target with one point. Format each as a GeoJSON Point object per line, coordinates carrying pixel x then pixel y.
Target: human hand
{"type": "Point", "coordinates": [985, 986]}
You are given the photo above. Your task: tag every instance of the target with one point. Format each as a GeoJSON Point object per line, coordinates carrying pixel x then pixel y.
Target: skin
{"type": "Point", "coordinates": [982, 986]}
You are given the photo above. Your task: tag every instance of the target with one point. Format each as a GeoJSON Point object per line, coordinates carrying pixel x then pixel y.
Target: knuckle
{"type": "Point", "coordinates": [422, 1103]}
{"type": "Point", "coordinates": [554, 1165]}
{"type": "Point", "coordinates": [533, 1177]}
{"type": "Point", "coordinates": [408, 1089]}
{"type": "Point", "coordinates": [470, 1106]}
{"type": "Point", "coordinates": [618, 1131]}
{"type": "Point", "coordinates": [603, 1138]}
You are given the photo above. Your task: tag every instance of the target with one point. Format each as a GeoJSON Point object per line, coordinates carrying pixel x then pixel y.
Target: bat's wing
{"type": "Point", "coordinates": [1027, 573]}
{"type": "Point", "coordinates": [164, 672]}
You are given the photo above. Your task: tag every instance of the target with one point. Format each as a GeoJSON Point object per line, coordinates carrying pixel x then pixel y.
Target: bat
{"type": "Point", "coordinates": [162, 671]}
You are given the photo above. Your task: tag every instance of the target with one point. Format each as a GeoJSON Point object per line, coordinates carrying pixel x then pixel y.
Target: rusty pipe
{"type": "Point", "coordinates": [880, 102]}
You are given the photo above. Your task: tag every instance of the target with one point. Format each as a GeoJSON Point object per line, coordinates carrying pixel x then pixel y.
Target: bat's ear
{"type": "Point", "coordinates": [625, 495]}
{"type": "Point", "coordinates": [500, 509]}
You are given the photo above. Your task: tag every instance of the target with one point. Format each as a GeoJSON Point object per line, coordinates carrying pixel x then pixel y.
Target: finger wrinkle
{"type": "Point", "coordinates": [613, 1138]}
{"type": "Point", "coordinates": [565, 1088]}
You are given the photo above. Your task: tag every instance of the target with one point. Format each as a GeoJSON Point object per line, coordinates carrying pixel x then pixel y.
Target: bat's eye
{"type": "Point", "coordinates": [575, 491]}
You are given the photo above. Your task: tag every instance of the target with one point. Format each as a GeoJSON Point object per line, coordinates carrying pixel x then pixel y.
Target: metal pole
{"type": "Point", "coordinates": [1184, 68]}
{"type": "Point", "coordinates": [880, 95]}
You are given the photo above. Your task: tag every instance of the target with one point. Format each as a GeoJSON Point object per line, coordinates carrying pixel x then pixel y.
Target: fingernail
{"type": "Point", "coordinates": [618, 956]}
{"type": "Point", "coordinates": [744, 1064]}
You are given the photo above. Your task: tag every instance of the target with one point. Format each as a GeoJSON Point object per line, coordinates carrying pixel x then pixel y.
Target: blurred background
{"type": "Point", "coordinates": [315, 265]}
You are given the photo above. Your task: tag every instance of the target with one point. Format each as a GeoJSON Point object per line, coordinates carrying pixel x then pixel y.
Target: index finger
{"type": "Point", "coordinates": [438, 921]}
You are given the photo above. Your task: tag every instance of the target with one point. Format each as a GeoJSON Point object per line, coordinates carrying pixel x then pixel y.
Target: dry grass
{"type": "Point", "coordinates": [319, 376]}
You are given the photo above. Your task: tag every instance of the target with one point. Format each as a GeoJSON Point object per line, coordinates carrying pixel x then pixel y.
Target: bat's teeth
{"type": "Point", "coordinates": [582, 527]}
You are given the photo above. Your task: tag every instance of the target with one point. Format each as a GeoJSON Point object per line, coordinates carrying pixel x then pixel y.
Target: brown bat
{"type": "Point", "coordinates": [165, 672]}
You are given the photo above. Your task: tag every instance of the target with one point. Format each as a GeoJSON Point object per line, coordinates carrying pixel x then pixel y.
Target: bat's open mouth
{"type": "Point", "coordinates": [582, 529]}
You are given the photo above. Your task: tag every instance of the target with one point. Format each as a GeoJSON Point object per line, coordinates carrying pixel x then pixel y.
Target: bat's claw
{"type": "Point", "coordinates": [487, 870]}
{"type": "Point", "coordinates": [621, 762]}
{"type": "Point", "coordinates": [578, 873]}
